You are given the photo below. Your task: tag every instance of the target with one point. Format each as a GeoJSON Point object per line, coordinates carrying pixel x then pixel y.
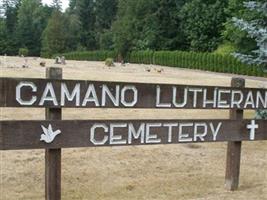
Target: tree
{"type": "Point", "coordinates": [231, 33]}
{"type": "Point", "coordinates": [148, 24]}
{"type": "Point", "coordinates": [105, 11]}
{"type": "Point", "coordinates": [57, 4]}
{"type": "Point", "coordinates": [54, 35]}
{"type": "Point", "coordinates": [73, 31]}
{"type": "Point", "coordinates": [9, 8]}
{"type": "Point", "coordinates": [3, 37]}
{"type": "Point", "coordinates": [202, 24]}
{"type": "Point", "coordinates": [257, 30]}
{"type": "Point", "coordinates": [30, 26]}
{"type": "Point", "coordinates": [85, 11]}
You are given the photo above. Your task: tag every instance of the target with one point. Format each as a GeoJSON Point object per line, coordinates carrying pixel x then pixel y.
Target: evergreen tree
{"type": "Point", "coordinates": [105, 14]}
{"type": "Point", "coordinates": [73, 31]}
{"type": "Point", "coordinates": [10, 11]}
{"type": "Point", "coordinates": [148, 24]}
{"type": "Point", "coordinates": [72, 5]}
{"type": "Point", "coordinates": [202, 24]}
{"type": "Point", "coordinates": [257, 30]}
{"type": "Point", "coordinates": [106, 11]}
{"type": "Point", "coordinates": [57, 4]}
{"type": "Point", "coordinates": [54, 35]}
{"type": "Point", "coordinates": [3, 37]}
{"type": "Point", "coordinates": [240, 39]}
{"type": "Point", "coordinates": [85, 11]}
{"type": "Point", "coordinates": [30, 26]}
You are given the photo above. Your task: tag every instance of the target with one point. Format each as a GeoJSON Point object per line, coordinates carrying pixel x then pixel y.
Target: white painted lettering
{"type": "Point", "coordinates": [70, 97]}
{"type": "Point", "coordinates": [215, 131]}
{"type": "Point", "coordinates": [133, 134]}
{"type": "Point", "coordinates": [135, 95]}
{"type": "Point", "coordinates": [18, 93]}
{"type": "Point", "coordinates": [91, 96]}
{"type": "Point", "coordinates": [48, 89]}
{"type": "Point", "coordinates": [184, 137]}
{"type": "Point", "coordinates": [152, 138]}
{"type": "Point", "coordinates": [158, 103]}
{"type": "Point", "coordinates": [92, 134]}
{"type": "Point", "coordinates": [116, 139]}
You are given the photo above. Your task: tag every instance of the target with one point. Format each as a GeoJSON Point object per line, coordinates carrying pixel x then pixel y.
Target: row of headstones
{"type": "Point", "coordinates": [58, 60]}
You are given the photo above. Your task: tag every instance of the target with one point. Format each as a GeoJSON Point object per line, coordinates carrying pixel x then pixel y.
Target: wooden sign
{"type": "Point", "coordinates": [64, 134]}
{"type": "Point", "coordinates": [54, 134]}
{"type": "Point", "coordinates": [96, 94]}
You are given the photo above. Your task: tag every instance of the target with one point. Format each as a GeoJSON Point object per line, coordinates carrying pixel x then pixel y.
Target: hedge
{"type": "Point", "coordinates": [191, 60]}
{"type": "Point", "coordinates": [90, 55]}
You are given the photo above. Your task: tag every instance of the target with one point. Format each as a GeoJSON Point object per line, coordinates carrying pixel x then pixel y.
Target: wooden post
{"type": "Point", "coordinates": [53, 156]}
{"type": "Point", "coordinates": [234, 148]}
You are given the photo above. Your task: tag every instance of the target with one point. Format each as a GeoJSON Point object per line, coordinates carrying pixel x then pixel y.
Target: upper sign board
{"type": "Point", "coordinates": [98, 94]}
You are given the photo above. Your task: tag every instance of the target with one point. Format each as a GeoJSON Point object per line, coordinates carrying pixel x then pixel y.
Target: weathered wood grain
{"type": "Point", "coordinates": [53, 156]}
{"type": "Point", "coordinates": [233, 156]}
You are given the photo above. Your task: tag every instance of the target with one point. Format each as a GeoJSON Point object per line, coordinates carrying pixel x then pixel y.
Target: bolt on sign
{"type": "Point", "coordinates": [97, 94]}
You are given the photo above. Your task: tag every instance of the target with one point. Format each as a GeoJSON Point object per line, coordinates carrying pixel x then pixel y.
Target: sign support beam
{"type": "Point", "coordinates": [53, 156]}
{"type": "Point", "coordinates": [234, 148]}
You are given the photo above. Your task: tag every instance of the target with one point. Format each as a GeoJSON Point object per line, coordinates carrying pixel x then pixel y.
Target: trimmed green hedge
{"type": "Point", "coordinates": [90, 55]}
{"type": "Point", "coordinates": [191, 60]}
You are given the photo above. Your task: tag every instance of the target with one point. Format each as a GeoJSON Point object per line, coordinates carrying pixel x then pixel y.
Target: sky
{"type": "Point", "coordinates": [65, 3]}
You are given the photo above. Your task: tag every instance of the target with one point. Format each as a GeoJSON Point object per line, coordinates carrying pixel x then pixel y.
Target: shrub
{"type": "Point", "coordinates": [225, 49]}
{"type": "Point", "coordinates": [192, 60]}
{"type": "Point", "coordinates": [109, 62]}
{"type": "Point", "coordinates": [90, 55]}
{"type": "Point", "coordinates": [23, 52]}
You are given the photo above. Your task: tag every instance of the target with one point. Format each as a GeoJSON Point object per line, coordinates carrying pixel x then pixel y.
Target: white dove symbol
{"type": "Point", "coordinates": [49, 135]}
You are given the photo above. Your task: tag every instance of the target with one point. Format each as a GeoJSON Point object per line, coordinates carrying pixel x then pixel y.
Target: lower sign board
{"type": "Point", "coordinates": [90, 133]}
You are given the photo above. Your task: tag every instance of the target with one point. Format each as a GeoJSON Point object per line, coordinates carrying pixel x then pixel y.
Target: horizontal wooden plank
{"type": "Point", "coordinates": [96, 94]}
{"type": "Point", "coordinates": [65, 134]}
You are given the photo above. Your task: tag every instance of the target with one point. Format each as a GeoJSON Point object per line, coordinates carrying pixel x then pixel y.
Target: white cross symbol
{"type": "Point", "coordinates": [253, 126]}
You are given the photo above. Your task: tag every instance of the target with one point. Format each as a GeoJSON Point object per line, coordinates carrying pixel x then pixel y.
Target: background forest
{"type": "Point", "coordinates": [124, 26]}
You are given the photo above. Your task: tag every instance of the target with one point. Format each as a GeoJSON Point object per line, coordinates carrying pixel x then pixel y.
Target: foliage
{"type": "Point", "coordinates": [30, 25]}
{"type": "Point", "coordinates": [54, 36]}
{"type": "Point", "coordinates": [256, 30]}
{"type": "Point", "coordinates": [90, 55]}
{"type": "Point", "coordinates": [147, 24]}
{"type": "Point", "coordinates": [202, 23]}
{"type": "Point", "coordinates": [85, 11]}
{"type": "Point", "coordinates": [124, 26]}
{"type": "Point", "coordinates": [182, 59]}
{"type": "Point", "coordinates": [109, 62]}
{"type": "Point", "coordinates": [3, 37]}
{"type": "Point", "coordinates": [106, 41]}
{"type": "Point", "coordinates": [193, 60]}
{"type": "Point", "coordinates": [23, 52]}
{"type": "Point", "coordinates": [57, 5]}
{"type": "Point", "coordinates": [233, 34]}
{"type": "Point", "coordinates": [225, 49]}
{"type": "Point", "coordinates": [8, 23]}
